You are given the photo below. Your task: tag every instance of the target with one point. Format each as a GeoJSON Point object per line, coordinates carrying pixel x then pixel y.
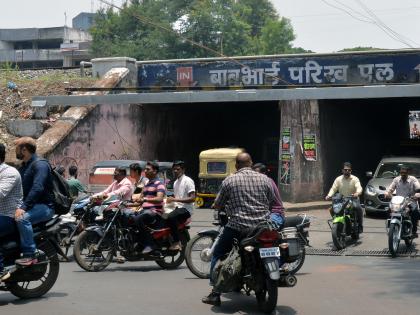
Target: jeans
{"type": "Point", "coordinates": [223, 246]}
{"type": "Point", "coordinates": [7, 226]}
{"type": "Point", "coordinates": [147, 217]}
{"type": "Point", "coordinates": [176, 217]}
{"type": "Point", "coordinates": [277, 219]}
{"type": "Point", "coordinates": [39, 213]}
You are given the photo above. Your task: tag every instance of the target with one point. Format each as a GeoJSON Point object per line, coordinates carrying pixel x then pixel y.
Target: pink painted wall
{"type": "Point", "coordinates": [108, 132]}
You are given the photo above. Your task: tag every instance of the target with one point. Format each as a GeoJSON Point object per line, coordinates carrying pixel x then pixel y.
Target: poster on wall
{"type": "Point", "coordinates": [309, 147]}
{"type": "Point", "coordinates": [414, 124]}
{"type": "Point", "coordinates": [285, 139]}
{"type": "Point", "coordinates": [285, 172]}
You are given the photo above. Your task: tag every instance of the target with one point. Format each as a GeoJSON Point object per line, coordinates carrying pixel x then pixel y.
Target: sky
{"type": "Point", "coordinates": [319, 25]}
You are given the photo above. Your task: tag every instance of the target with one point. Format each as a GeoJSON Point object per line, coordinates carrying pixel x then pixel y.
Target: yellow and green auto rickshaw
{"type": "Point", "coordinates": [215, 166]}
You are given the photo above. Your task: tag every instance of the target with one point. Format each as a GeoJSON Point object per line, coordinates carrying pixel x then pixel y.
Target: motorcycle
{"type": "Point", "coordinates": [344, 221]}
{"type": "Point", "coordinates": [254, 265]}
{"type": "Point", "coordinates": [84, 212]}
{"type": "Point", "coordinates": [399, 226]}
{"type": "Point", "coordinates": [98, 244]}
{"type": "Point", "coordinates": [201, 247]}
{"type": "Point", "coordinates": [33, 281]}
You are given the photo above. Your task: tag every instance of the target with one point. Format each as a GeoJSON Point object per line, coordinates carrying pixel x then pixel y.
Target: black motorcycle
{"type": "Point", "coordinates": [36, 280]}
{"type": "Point", "coordinates": [254, 265]}
{"type": "Point", "coordinates": [84, 213]}
{"type": "Point", "coordinates": [98, 244]}
{"type": "Point", "coordinates": [201, 247]}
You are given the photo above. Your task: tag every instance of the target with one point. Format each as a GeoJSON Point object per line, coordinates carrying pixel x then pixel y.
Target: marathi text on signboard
{"type": "Point", "coordinates": [311, 70]}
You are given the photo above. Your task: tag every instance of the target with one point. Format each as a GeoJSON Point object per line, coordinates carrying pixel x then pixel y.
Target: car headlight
{"type": "Point", "coordinates": [371, 191]}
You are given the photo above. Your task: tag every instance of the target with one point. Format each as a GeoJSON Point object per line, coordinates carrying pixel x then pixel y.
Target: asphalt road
{"type": "Point", "coordinates": [326, 285]}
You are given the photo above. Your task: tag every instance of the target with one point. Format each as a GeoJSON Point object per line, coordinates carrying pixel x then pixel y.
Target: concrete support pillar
{"type": "Point", "coordinates": [305, 183]}
{"type": "Point", "coordinates": [67, 61]}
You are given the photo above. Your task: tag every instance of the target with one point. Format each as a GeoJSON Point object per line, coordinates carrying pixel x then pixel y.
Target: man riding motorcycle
{"type": "Point", "coordinates": [406, 186]}
{"type": "Point", "coordinates": [246, 196]}
{"type": "Point", "coordinates": [10, 199]}
{"type": "Point", "coordinates": [348, 185]}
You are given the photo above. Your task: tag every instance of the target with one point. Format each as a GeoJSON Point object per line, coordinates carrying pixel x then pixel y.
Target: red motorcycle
{"type": "Point", "coordinates": [98, 244]}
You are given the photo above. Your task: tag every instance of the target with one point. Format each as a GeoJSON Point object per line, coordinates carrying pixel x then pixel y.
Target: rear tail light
{"type": "Point", "coordinates": [268, 236]}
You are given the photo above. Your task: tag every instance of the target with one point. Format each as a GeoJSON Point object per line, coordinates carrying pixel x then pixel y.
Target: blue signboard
{"type": "Point", "coordinates": [309, 70]}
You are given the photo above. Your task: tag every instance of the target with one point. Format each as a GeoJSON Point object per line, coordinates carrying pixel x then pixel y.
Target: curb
{"type": "Point", "coordinates": [305, 207]}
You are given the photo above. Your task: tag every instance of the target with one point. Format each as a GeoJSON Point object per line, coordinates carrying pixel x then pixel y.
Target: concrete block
{"type": "Point", "coordinates": [40, 112]}
{"type": "Point", "coordinates": [25, 128]}
{"type": "Point", "coordinates": [100, 66]}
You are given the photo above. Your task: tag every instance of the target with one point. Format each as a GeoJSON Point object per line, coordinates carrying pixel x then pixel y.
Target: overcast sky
{"type": "Point", "coordinates": [318, 26]}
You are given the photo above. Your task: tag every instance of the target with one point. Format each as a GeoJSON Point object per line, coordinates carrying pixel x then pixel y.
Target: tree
{"type": "Point", "coordinates": [360, 48]}
{"type": "Point", "coordinates": [145, 29]}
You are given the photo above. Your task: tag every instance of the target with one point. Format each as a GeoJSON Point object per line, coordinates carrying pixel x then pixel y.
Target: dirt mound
{"type": "Point", "coordinates": [18, 87]}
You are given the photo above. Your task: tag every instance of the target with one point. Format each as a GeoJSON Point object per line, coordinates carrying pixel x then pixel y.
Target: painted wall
{"type": "Point", "coordinates": [108, 132]}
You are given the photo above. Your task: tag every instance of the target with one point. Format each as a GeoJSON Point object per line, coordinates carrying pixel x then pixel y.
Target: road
{"type": "Point", "coordinates": [326, 285]}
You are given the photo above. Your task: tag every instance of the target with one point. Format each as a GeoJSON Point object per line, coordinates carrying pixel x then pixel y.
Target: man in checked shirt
{"type": "Point", "coordinates": [11, 195]}
{"type": "Point", "coordinates": [246, 197]}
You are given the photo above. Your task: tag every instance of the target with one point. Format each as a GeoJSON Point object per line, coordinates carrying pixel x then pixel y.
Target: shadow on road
{"type": "Point", "coordinates": [406, 276]}
{"type": "Point", "coordinates": [132, 268]}
{"type": "Point", "coordinates": [239, 303]}
{"type": "Point", "coordinates": [11, 299]}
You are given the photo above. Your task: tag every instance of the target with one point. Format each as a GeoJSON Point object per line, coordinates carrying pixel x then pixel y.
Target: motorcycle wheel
{"type": "Point", "coordinates": [197, 255]}
{"type": "Point", "coordinates": [36, 289]}
{"type": "Point", "coordinates": [63, 235]}
{"type": "Point", "coordinates": [393, 239]}
{"type": "Point", "coordinates": [174, 261]}
{"type": "Point", "coordinates": [338, 237]}
{"type": "Point", "coordinates": [296, 265]}
{"type": "Point", "coordinates": [85, 256]}
{"type": "Point", "coordinates": [267, 298]}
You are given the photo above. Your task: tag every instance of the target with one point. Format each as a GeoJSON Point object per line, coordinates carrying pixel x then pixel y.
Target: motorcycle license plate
{"type": "Point", "coordinates": [269, 252]}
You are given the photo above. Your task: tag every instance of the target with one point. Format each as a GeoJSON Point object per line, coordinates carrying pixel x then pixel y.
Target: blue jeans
{"type": "Point", "coordinates": [7, 226]}
{"type": "Point", "coordinates": [277, 218]}
{"type": "Point", "coordinates": [39, 213]}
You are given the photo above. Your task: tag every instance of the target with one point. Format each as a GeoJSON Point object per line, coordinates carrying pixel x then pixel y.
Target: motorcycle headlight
{"type": "Point", "coordinates": [395, 207]}
{"type": "Point", "coordinates": [371, 191]}
{"type": "Point", "coordinates": [337, 207]}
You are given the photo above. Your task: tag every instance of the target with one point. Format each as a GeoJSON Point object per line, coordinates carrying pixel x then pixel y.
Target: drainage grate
{"type": "Point", "coordinates": [403, 252]}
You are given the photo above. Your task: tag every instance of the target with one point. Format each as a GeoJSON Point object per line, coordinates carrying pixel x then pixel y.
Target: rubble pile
{"type": "Point", "coordinates": [18, 87]}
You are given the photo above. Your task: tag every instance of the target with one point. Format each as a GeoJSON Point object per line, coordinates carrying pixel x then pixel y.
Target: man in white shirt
{"type": "Point", "coordinates": [348, 185]}
{"type": "Point", "coordinates": [184, 196]}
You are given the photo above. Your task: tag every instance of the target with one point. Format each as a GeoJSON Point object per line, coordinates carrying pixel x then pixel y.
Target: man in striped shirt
{"type": "Point", "coordinates": [152, 200]}
{"type": "Point", "coordinates": [246, 196]}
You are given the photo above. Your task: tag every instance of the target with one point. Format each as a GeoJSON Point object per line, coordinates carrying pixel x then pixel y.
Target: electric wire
{"type": "Point", "coordinates": [377, 19]}
{"type": "Point", "coordinates": [366, 19]}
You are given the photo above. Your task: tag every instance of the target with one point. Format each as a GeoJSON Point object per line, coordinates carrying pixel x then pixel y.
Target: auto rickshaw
{"type": "Point", "coordinates": [215, 166]}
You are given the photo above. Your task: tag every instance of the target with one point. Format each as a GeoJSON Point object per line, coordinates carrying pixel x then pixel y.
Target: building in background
{"type": "Point", "coordinates": [46, 47]}
{"type": "Point", "coordinates": [83, 21]}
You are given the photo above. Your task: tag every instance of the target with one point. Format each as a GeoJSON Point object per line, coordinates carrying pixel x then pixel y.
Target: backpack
{"type": "Point", "coordinates": [60, 189]}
